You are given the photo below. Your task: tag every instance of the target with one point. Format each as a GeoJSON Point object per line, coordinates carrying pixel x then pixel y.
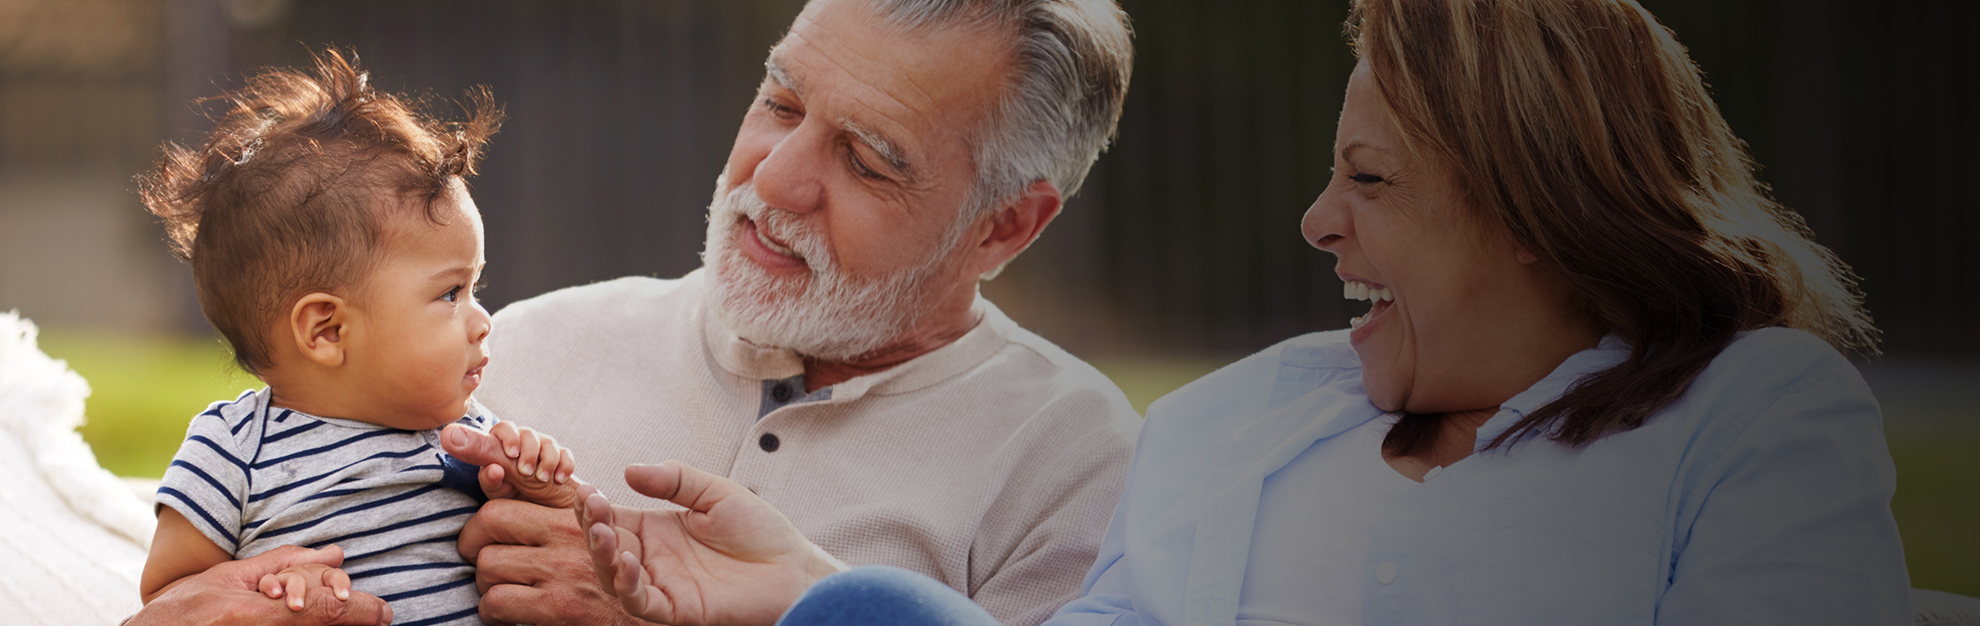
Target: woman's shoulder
{"type": "Point", "coordinates": [1769, 362]}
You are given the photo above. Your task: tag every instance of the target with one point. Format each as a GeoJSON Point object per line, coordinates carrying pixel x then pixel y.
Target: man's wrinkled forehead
{"type": "Point", "coordinates": [892, 152]}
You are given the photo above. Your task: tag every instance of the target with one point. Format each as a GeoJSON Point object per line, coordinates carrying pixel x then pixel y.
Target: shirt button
{"type": "Point", "coordinates": [769, 444]}
{"type": "Point", "coordinates": [780, 393]}
{"type": "Point", "coordinates": [1385, 573]}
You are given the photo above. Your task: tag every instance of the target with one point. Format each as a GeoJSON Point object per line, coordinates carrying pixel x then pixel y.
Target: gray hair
{"type": "Point", "coordinates": [1062, 100]}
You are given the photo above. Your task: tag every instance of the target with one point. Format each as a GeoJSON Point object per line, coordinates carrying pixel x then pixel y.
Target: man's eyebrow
{"type": "Point", "coordinates": [873, 139]}
{"type": "Point", "coordinates": [776, 72]}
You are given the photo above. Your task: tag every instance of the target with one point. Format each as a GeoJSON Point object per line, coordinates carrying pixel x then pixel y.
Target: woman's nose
{"type": "Point", "coordinates": [1326, 223]}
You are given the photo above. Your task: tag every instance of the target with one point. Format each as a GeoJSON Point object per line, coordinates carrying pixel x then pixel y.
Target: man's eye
{"type": "Point", "coordinates": [1365, 178]}
{"type": "Point", "coordinates": [859, 167]}
{"type": "Point", "coordinates": [453, 294]}
{"type": "Point", "coordinates": [778, 110]}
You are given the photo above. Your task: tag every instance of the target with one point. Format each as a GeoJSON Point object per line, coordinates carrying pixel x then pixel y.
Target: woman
{"type": "Point", "coordinates": [1599, 382]}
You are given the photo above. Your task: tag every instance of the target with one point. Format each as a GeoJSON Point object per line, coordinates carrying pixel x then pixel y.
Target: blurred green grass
{"type": "Point", "coordinates": [143, 391]}
{"type": "Point", "coordinates": [145, 388]}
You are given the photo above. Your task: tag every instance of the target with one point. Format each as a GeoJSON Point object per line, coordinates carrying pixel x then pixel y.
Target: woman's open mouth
{"type": "Point", "coordinates": [1382, 297]}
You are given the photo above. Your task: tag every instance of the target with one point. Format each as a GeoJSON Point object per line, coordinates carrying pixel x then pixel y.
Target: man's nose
{"type": "Point", "coordinates": [791, 176]}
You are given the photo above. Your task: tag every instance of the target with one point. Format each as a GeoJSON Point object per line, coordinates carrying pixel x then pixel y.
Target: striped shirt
{"type": "Point", "coordinates": [253, 477]}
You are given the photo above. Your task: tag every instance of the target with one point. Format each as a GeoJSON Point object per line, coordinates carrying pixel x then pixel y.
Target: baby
{"type": "Point", "coordinates": [334, 245]}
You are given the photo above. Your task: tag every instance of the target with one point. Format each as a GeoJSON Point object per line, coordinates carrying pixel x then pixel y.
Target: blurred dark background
{"type": "Point", "coordinates": [1182, 251]}
{"type": "Point", "coordinates": [1184, 240]}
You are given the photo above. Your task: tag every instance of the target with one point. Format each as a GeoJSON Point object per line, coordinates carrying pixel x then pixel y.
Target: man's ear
{"type": "Point", "coordinates": [318, 324]}
{"type": "Point", "coordinates": [1013, 227]}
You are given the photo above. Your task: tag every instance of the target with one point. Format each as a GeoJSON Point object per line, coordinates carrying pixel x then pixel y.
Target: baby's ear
{"type": "Point", "coordinates": [317, 324]}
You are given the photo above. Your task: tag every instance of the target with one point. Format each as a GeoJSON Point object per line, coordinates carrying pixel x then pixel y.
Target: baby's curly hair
{"type": "Point", "coordinates": [291, 193]}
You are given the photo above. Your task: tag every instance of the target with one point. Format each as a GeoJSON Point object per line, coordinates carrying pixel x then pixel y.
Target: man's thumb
{"type": "Point", "coordinates": [471, 446]}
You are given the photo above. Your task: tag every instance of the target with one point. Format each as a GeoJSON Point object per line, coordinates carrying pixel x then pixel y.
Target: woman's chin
{"type": "Point", "coordinates": [1384, 397]}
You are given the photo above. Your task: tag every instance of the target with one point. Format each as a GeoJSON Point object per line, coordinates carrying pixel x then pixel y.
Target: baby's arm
{"type": "Point", "coordinates": [178, 550]}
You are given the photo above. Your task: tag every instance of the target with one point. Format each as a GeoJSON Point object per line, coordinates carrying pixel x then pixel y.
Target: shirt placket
{"type": "Point", "coordinates": [758, 461]}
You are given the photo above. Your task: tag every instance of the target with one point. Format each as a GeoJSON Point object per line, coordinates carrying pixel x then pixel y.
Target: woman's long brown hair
{"type": "Point", "coordinates": [1584, 130]}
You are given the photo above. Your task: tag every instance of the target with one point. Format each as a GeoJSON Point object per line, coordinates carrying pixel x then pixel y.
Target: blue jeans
{"type": "Point", "coordinates": [880, 594]}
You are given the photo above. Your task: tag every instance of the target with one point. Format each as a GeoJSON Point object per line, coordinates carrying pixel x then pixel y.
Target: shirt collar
{"type": "Point", "coordinates": [1608, 352]}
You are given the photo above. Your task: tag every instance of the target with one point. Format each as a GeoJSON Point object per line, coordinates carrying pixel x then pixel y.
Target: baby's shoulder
{"type": "Point", "coordinates": [229, 424]}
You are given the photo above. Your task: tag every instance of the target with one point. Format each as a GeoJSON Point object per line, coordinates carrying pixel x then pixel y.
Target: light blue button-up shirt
{"type": "Point", "coordinates": [1762, 496]}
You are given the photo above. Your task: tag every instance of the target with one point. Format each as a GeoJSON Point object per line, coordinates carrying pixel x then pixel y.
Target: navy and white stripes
{"type": "Point", "coordinates": [252, 478]}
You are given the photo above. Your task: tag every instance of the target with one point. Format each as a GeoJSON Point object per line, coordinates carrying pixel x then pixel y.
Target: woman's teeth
{"type": "Point", "coordinates": [1356, 290]}
{"type": "Point", "coordinates": [767, 243]}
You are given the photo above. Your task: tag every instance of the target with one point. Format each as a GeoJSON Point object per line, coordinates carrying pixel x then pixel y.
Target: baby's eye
{"type": "Point", "coordinates": [453, 294]}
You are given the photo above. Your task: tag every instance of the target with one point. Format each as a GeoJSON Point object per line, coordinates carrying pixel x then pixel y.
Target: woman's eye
{"type": "Point", "coordinates": [453, 294]}
{"type": "Point", "coordinates": [1365, 178]}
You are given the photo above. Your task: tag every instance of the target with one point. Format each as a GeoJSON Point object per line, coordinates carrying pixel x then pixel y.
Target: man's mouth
{"type": "Point", "coordinates": [1383, 298]}
{"type": "Point", "coordinates": [770, 243]}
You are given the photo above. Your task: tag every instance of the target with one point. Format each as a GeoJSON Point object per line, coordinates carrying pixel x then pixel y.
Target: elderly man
{"type": "Point", "coordinates": [833, 354]}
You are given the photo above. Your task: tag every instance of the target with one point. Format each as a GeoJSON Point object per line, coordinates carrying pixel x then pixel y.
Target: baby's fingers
{"type": "Point", "coordinates": [566, 464]}
{"type": "Point", "coordinates": [271, 586]}
{"type": "Point", "coordinates": [338, 582]}
{"type": "Point", "coordinates": [550, 460]}
{"type": "Point", "coordinates": [526, 464]}
{"type": "Point", "coordinates": [507, 434]}
{"type": "Point", "coordinates": [296, 588]}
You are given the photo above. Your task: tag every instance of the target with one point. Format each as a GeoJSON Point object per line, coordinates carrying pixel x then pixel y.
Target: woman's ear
{"type": "Point", "coordinates": [318, 324]}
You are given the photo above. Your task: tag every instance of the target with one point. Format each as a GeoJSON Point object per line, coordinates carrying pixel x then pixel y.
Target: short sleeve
{"type": "Point", "coordinates": [208, 480]}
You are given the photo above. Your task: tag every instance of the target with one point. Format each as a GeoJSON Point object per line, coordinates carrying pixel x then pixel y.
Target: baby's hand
{"type": "Point", "coordinates": [536, 468]}
{"type": "Point", "coordinates": [296, 582]}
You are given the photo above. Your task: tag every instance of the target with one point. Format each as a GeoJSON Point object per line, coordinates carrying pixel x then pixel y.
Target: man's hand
{"type": "Point", "coordinates": [729, 558]}
{"type": "Point", "coordinates": [228, 594]}
{"type": "Point", "coordinates": [531, 566]}
{"type": "Point", "coordinates": [516, 462]}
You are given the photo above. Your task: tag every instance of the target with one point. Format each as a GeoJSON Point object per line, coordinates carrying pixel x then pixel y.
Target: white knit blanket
{"type": "Point", "coordinates": [72, 536]}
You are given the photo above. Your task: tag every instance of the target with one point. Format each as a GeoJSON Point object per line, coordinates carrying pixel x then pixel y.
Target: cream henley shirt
{"type": "Point", "coordinates": [991, 464]}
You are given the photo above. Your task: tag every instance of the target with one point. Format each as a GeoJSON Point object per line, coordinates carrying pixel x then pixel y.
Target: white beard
{"type": "Point", "coordinates": [830, 315]}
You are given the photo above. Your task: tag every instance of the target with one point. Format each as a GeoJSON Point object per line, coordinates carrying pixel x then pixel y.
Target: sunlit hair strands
{"type": "Point", "coordinates": [291, 192]}
{"type": "Point", "coordinates": [1583, 129]}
